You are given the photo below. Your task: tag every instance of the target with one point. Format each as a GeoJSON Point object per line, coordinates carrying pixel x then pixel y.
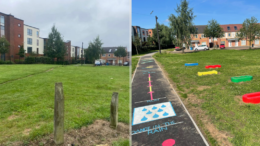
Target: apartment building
{"type": "Point", "coordinates": [32, 40]}
{"type": "Point", "coordinates": [12, 29]}
{"type": "Point", "coordinates": [142, 33]}
{"type": "Point", "coordinates": [109, 57]}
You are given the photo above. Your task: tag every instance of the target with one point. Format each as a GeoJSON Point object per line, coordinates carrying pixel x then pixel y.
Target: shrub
{"type": "Point", "coordinates": [30, 60]}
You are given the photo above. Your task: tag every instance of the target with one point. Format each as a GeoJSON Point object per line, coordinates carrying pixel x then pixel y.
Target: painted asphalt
{"type": "Point", "coordinates": [158, 116]}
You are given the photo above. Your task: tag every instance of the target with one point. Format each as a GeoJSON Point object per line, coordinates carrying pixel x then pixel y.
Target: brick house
{"type": "Point", "coordinates": [109, 57]}
{"type": "Point", "coordinates": [13, 30]}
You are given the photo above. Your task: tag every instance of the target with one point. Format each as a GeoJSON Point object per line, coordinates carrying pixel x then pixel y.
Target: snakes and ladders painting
{"type": "Point", "coordinates": [152, 112]}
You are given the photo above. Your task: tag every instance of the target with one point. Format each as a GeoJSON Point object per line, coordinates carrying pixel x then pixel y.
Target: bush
{"type": "Point", "coordinates": [6, 62]}
{"type": "Point", "coordinates": [30, 60]}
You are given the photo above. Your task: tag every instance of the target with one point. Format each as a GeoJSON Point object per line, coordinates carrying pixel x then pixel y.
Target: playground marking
{"type": "Point", "coordinates": [151, 66]}
{"type": "Point", "coordinates": [157, 99]}
{"type": "Point", "coordinates": [150, 86]}
{"type": "Point", "coordinates": [153, 112]}
{"type": "Point", "coordinates": [148, 72]}
{"type": "Point", "coordinates": [168, 142]}
{"type": "Point", "coordinates": [148, 130]}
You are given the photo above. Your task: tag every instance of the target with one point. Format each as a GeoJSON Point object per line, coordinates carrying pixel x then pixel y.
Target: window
{"type": "Point", "coordinates": [2, 31]}
{"type": "Point", "coordinates": [104, 55]}
{"type": "Point", "coordinates": [109, 50]}
{"type": "Point", "coordinates": [37, 33]}
{"type": "Point", "coordinates": [147, 33]}
{"type": "Point", "coordinates": [37, 42]}
{"type": "Point", "coordinates": [196, 29]}
{"type": "Point", "coordinates": [29, 41]}
{"type": "Point", "coordinates": [108, 55]}
{"type": "Point", "coordinates": [229, 34]}
{"type": "Point", "coordinates": [19, 24]}
{"type": "Point", "coordinates": [256, 41]}
{"type": "Point", "coordinates": [29, 49]}
{"type": "Point", "coordinates": [37, 50]}
{"type": "Point", "coordinates": [144, 39]}
{"type": "Point", "coordinates": [243, 42]}
{"type": "Point", "coordinates": [235, 27]}
{"type": "Point", "coordinates": [2, 21]}
{"type": "Point", "coordinates": [202, 36]}
{"type": "Point", "coordinates": [196, 36]}
{"type": "Point", "coordinates": [29, 32]}
{"type": "Point", "coordinates": [19, 36]}
{"type": "Point", "coordinates": [228, 28]}
{"type": "Point", "coordinates": [143, 33]}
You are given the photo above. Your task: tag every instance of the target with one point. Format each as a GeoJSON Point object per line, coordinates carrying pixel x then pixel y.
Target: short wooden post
{"type": "Point", "coordinates": [114, 110]}
{"type": "Point", "coordinates": [59, 114]}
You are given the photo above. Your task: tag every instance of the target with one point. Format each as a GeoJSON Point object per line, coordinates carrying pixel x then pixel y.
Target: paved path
{"type": "Point", "coordinates": [158, 116]}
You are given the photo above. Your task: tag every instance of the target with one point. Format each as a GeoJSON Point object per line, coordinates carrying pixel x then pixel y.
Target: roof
{"type": "Point", "coordinates": [30, 26]}
{"type": "Point", "coordinates": [232, 27]}
{"type": "Point", "coordinates": [201, 28]}
{"type": "Point", "coordinates": [109, 49]}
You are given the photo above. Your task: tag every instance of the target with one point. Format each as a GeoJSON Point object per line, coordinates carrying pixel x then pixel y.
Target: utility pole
{"type": "Point", "coordinates": [82, 54]}
{"type": "Point", "coordinates": [158, 34]}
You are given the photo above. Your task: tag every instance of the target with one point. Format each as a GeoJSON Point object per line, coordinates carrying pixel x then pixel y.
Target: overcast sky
{"type": "Point", "coordinates": [77, 20]}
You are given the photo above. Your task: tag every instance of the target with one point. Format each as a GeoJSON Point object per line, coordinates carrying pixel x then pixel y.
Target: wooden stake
{"type": "Point", "coordinates": [59, 114]}
{"type": "Point", "coordinates": [114, 111]}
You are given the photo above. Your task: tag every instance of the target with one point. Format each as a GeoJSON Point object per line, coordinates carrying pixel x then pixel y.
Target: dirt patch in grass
{"type": "Point", "coordinates": [50, 70]}
{"type": "Point", "coordinates": [12, 117]}
{"type": "Point", "coordinates": [200, 88]}
{"type": "Point", "coordinates": [238, 98]}
{"type": "Point", "coordinates": [26, 132]}
{"type": "Point", "coordinates": [98, 133]}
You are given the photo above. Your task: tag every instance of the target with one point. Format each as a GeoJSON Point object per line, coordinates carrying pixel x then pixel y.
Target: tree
{"type": "Point", "coordinates": [94, 50]}
{"type": "Point", "coordinates": [4, 46]}
{"type": "Point", "coordinates": [55, 45]}
{"type": "Point", "coordinates": [120, 52]}
{"type": "Point", "coordinates": [137, 43]}
{"type": "Point", "coordinates": [182, 25]}
{"type": "Point", "coordinates": [21, 52]}
{"type": "Point", "coordinates": [250, 30]}
{"type": "Point", "coordinates": [165, 35]}
{"type": "Point", "coordinates": [213, 30]}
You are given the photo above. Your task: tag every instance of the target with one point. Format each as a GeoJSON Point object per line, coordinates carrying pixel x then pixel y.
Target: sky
{"type": "Point", "coordinates": [224, 11]}
{"type": "Point", "coordinates": [77, 20]}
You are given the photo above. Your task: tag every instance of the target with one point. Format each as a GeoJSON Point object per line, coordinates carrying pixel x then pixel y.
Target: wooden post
{"type": "Point", "coordinates": [59, 114]}
{"type": "Point", "coordinates": [114, 110]}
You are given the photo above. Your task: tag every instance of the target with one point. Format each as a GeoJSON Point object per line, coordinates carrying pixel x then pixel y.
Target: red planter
{"type": "Point", "coordinates": [252, 98]}
{"type": "Point", "coordinates": [212, 66]}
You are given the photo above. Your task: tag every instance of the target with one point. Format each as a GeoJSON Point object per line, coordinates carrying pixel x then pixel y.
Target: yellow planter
{"type": "Point", "coordinates": [207, 73]}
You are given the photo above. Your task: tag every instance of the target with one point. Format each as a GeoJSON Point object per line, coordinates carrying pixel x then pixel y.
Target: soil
{"type": "Point", "coordinates": [12, 117]}
{"type": "Point", "coordinates": [200, 88]}
{"type": "Point", "coordinates": [198, 114]}
{"type": "Point", "coordinates": [50, 70]}
{"type": "Point", "coordinates": [97, 134]}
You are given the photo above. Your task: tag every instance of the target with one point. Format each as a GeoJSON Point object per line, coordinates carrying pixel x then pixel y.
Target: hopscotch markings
{"type": "Point", "coordinates": [151, 66]}
{"type": "Point", "coordinates": [150, 86]}
{"type": "Point", "coordinates": [152, 112]}
{"type": "Point", "coordinates": [155, 128]}
{"type": "Point", "coordinates": [157, 99]}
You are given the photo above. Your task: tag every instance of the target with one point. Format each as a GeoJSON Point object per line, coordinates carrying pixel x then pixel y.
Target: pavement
{"type": "Point", "coordinates": [159, 117]}
{"type": "Point", "coordinates": [227, 48]}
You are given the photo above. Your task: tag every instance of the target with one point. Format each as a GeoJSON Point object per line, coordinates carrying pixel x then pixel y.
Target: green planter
{"type": "Point", "coordinates": [241, 78]}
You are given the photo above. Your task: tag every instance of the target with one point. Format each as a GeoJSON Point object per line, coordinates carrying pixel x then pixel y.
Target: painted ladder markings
{"type": "Point", "coordinates": [150, 100]}
{"type": "Point", "coordinates": [150, 85]}
{"type": "Point", "coordinates": [157, 128]}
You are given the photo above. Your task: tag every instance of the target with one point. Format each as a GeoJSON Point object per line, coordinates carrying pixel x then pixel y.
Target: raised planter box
{"type": "Point", "coordinates": [241, 78]}
{"type": "Point", "coordinates": [191, 64]}
{"type": "Point", "coordinates": [252, 98]}
{"type": "Point", "coordinates": [207, 73]}
{"type": "Point", "coordinates": [212, 66]}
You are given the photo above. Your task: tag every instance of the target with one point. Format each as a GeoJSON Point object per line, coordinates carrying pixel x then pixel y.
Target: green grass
{"type": "Point", "coordinates": [12, 72]}
{"type": "Point", "coordinates": [121, 142]}
{"type": "Point", "coordinates": [87, 92]}
{"type": "Point", "coordinates": [134, 63]}
{"type": "Point", "coordinates": [241, 121]}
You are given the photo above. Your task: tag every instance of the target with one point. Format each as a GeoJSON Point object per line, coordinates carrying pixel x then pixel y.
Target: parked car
{"type": "Point", "coordinates": [201, 47]}
{"type": "Point", "coordinates": [126, 64]}
{"type": "Point", "coordinates": [179, 49]}
{"type": "Point", "coordinates": [98, 63]}
{"type": "Point", "coordinates": [222, 46]}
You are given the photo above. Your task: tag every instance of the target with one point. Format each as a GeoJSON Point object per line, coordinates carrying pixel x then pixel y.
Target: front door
{"type": "Point", "coordinates": [113, 62]}
{"type": "Point", "coordinates": [236, 43]}
{"type": "Point", "coordinates": [229, 43]}
{"type": "Point", "coordinates": [196, 44]}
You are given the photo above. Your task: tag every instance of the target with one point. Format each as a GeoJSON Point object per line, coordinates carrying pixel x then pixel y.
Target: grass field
{"type": "Point", "coordinates": [12, 72]}
{"type": "Point", "coordinates": [221, 98]}
{"type": "Point", "coordinates": [27, 105]}
{"type": "Point", "coordinates": [134, 63]}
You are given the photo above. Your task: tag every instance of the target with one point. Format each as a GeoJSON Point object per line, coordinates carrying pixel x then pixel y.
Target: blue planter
{"type": "Point", "coordinates": [191, 64]}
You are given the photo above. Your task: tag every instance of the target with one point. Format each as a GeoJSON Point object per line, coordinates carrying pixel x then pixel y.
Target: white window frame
{"type": "Point", "coordinates": [104, 55]}
{"type": "Point", "coordinates": [257, 42]}
{"type": "Point", "coordinates": [243, 42]}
